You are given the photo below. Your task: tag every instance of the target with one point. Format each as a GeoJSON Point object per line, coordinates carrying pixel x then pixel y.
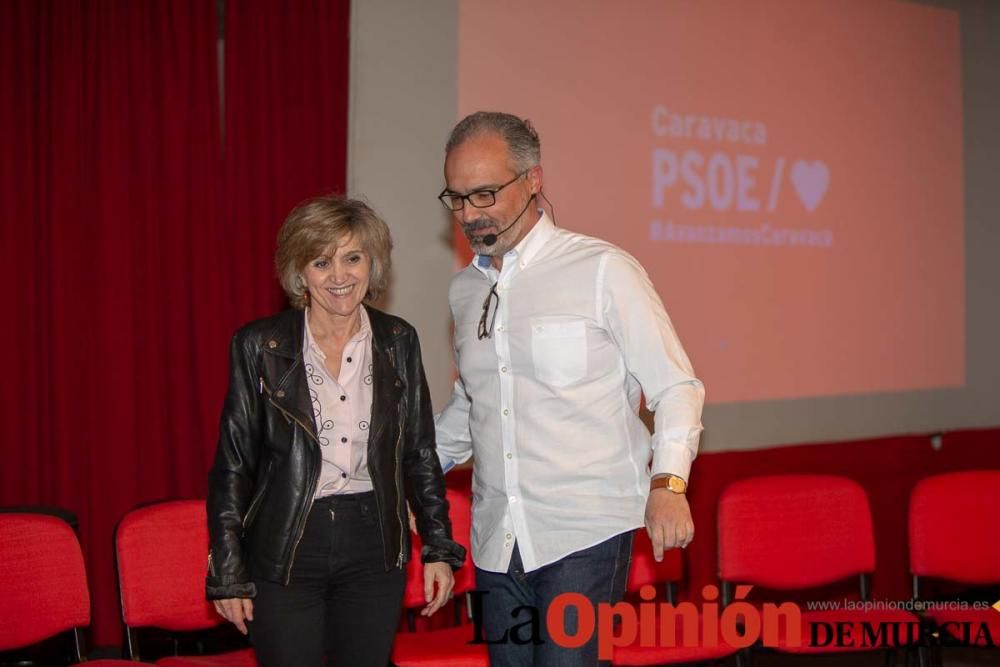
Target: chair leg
{"type": "Point", "coordinates": [131, 644]}
{"type": "Point", "coordinates": [78, 644]}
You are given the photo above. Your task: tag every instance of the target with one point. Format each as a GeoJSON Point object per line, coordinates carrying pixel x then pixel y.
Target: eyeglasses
{"type": "Point", "coordinates": [487, 320]}
{"type": "Point", "coordinates": [483, 198]}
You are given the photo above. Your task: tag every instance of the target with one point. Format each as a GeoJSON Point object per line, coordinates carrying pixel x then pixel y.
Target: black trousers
{"type": "Point", "coordinates": [340, 602]}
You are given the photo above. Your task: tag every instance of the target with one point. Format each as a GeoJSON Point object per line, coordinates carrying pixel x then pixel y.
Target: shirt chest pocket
{"type": "Point", "coordinates": [559, 350]}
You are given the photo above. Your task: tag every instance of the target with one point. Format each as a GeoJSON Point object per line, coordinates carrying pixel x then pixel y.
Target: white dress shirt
{"type": "Point", "coordinates": [549, 405]}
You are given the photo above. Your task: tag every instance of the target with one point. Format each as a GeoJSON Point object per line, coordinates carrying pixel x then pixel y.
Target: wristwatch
{"type": "Point", "coordinates": [670, 482]}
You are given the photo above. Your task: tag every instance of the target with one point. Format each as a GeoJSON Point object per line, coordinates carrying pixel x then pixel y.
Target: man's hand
{"type": "Point", "coordinates": [668, 521]}
{"type": "Point", "coordinates": [235, 610]}
{"type": "Point", "coordinates": [438, 583]}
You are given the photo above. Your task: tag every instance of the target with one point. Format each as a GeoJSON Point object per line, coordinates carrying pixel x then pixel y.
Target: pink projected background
{"type": "Point", "coordinates": [789, 173]}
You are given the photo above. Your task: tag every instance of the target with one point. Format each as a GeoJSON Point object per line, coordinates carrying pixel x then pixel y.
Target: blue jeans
{"type": "Point", "coordinates": [599, 573]}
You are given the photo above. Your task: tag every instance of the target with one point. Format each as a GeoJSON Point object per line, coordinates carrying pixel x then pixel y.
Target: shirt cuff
{"type": "Point", "coordinates": [674, 451]}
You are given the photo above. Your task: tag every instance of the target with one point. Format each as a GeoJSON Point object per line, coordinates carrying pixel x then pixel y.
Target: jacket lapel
{"type": "Point", "coordinates": [387, 387]}
{"type": "Point", "coordinates": [283, 373]}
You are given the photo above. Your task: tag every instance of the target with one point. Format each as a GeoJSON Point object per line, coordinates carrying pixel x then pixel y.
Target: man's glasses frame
{"type": "Point", "coordinates": [481, 198]}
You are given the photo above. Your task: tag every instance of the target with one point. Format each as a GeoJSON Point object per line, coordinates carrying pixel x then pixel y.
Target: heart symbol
{"type": "Point", "coordinates": [810, 181]}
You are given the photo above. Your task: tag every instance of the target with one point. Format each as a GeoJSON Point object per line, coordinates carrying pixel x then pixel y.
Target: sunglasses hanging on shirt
{"type": "Point", "coordinates": [490, 306]}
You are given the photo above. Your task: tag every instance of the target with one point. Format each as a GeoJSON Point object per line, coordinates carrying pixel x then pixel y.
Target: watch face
{"type": "Point", "coordinates": [676, 484]}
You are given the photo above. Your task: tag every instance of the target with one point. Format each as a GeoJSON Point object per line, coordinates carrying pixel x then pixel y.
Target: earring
{"type": "Point", "coordinates": [300, 282]}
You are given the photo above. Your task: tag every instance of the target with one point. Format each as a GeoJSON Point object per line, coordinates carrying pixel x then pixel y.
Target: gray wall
{"type": "Point", "coordinates": [403, 104]}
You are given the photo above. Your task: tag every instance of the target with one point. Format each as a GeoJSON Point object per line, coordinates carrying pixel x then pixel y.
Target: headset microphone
{"type": "Point", "coordinates": [490, 239]}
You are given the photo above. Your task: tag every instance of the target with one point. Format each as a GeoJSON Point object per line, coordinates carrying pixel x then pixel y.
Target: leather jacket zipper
{"type": "Point", "coordinates": [378, 503]}
{"type": "Point", "coordinates": [398, 472]}
{"type": "Point", "coordinates": [396, 476]}
{"type": "Point", "coordinates": [288, 415]}
{"type": "Point", "coordinates": [301, 528]}
{"type": "Point", "coordinates": [390, 352]}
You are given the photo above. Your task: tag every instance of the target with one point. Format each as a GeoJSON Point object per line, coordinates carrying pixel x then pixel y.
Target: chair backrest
{"type": "Point", "coordinates": [794, 531]}
{"type": "Point", "coordinates": [644, 568]}
{"type": "Point", "coordinates": [460, 513]}
{"type": "Point", "coordinates": [69, 516]}
{"type": "Point", "coordinates": [162, 555]}
{"type": "Point", "coordinates": [43, 582]}
{"type": "Point", "coordinates": [953, 527]}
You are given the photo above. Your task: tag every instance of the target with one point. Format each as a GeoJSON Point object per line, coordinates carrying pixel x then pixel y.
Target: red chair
{"type": "Point", "coordinates": [644, 570]}
{"type": "Point", "coordinates": [43, 584]}
{"type": "Point", "coordinates": [448, 647]}
{"type": "Point", "coordinates": [795, 532]}
{"type": "Point", "coordinates": [953, 537]}
{"type": "Point", "coordinates": [162, 555]}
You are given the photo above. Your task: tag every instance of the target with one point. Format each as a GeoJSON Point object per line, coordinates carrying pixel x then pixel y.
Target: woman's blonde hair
{"type": "Point", "coordinates": [314, 225]}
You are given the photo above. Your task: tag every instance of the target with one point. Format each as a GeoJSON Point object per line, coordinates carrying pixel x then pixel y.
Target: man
{"type": "Point", "coordinates": [557, 335]}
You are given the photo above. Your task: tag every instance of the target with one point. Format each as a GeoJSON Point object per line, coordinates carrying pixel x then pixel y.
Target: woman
{"type": "Point", "coordinates": [326, 433]}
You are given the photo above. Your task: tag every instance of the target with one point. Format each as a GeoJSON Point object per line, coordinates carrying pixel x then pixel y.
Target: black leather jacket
{"type": "Point", "coordinates": [267, 464]}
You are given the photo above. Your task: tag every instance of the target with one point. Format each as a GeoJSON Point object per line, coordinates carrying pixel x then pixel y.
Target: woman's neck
{"type": "Point", "coordinates": [335, 328]}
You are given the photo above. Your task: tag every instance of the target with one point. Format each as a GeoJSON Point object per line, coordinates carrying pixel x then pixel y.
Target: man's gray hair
{"type": "Point", "coordinates": [520, 136]}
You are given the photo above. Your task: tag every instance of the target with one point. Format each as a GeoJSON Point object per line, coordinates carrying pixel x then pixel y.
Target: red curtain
{"type": "Point", "coordinates": [286, 72]}
{"type": "Point", "coordinates": [134, 240]}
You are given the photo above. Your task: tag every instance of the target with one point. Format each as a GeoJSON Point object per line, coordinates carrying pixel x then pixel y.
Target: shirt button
{"type": "Point", "coordinates": [272, 343]}
{"type": "Point", "coordinates": [348, 360]}
{"type": "Point", "coordinates": [510, 456]}
{"type": "Point", "coordinates": [513, 499]}
{"type": "Point", "coordinates": [508, 536]}
{"type": "Point", "coordinates": [343, 439]}
{"type": "Point", "coordinates": [343, 398]}
{"type": "Point", "coordinates": [343, 474]}
{"type": "Point", "coordinates": [503, 369]}
{"type": "Point", "coordinates": [506, 412]}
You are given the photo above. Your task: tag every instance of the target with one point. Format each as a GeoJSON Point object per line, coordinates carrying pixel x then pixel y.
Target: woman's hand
{"type": "Point", "coordinates": [438, 583]}
{"type": "Point", "coordinates": [238, 610]}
